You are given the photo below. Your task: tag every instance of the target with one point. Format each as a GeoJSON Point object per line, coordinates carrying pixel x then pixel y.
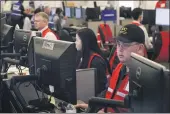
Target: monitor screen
{"type": "Point", "coordinates": [55, 64]}
{"type": "Point", "coordinates": [162, 16]}
{"type": "Point", "coordinates": [86, 79]}
{"type": "Point", "coordinates": [78, 13]}
{"type": "Point", "coordinates": [147, 86]}
{"type": "Point", "coordinates": [67, 12]}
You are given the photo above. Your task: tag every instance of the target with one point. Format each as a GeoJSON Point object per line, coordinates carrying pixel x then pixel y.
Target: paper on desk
{"type": "Point", "coordinates": [14, 70]}
{"type": "Point", "coordinates": [52, 99]}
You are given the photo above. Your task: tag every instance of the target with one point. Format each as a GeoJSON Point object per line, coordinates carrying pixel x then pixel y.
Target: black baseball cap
{"type": "Point", "coordinates": [131, 33]}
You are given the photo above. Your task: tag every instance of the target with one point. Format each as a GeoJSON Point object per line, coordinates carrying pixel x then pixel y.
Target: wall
{"type": "Point", "coordinates": [149, 4]}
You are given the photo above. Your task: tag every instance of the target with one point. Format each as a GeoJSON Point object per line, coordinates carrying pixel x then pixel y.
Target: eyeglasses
{"type": "Point", "coordinates": [125, 45]}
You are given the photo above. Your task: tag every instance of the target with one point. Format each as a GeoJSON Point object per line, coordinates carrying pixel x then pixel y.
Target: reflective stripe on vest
{"type": "Point", "coordinates": [123, 89]}
{"type": "Point", "coordinates": [90, 61]}
{"type": "Point", "coordinates": [48, 30]}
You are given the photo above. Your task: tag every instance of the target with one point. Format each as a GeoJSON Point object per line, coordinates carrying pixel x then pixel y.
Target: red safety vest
{"type": "Point", "coordinates": [112, 60]}
{"type": "Point", "coordinates": [121, 92]}
{"type": "Point", "coordinates": [90, 61]}
{"type": "Point", "coordinates": [49, 30]}
{"type": "Point", "coordinates": [161, 4]}
{"type": "Point", "coordinates": [105, 28]}
{"type": "Point", "coordinates": [136, 23]}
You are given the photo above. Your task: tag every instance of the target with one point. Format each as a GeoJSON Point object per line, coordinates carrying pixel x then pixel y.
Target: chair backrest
{"type": "Point", "coordinates": [105, 32]}
{"type": "Point", "coordinates": [161, 47]}
{"type": "Point", "coordinates": [64, 35]}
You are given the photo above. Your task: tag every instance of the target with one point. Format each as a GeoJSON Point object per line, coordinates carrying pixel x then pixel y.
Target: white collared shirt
{"type": "Point", "coordinates": [147, 40]}
{"type": "Point", "coordinates": [49, 35]}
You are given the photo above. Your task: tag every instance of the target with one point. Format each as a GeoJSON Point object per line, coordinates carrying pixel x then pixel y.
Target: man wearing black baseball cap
{"type": "Point", "coordinates": [131, 38]}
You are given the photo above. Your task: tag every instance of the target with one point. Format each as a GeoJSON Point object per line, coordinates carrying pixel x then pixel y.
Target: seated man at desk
{"type": "Point", "coordinates": [128, 41]}
{"type": "Point", "coordinates": [41, 24]}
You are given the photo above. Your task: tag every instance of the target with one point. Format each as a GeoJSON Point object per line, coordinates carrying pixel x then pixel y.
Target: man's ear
{"type": "Point", "coordinates": [141, 49]}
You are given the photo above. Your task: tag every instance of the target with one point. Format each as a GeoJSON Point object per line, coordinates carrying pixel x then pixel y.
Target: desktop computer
{"type": "Point", "coordinates": [148, 86]}
{"type": "Point", "coordinates": [55, 65]}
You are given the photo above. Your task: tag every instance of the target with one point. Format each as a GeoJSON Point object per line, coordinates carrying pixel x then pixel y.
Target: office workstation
{"type": "Point", "coordinates": [77, 59]}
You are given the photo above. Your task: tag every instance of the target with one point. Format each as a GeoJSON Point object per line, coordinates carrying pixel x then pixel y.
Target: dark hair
{"type": "Point", "coordinates": [58, 11]}
{"type": "Point", "coordinates": [37, 10]}
{"type": "Point", "coordinates": [89, 44]}
{"type": "Point", "coordinates": [136, 13]}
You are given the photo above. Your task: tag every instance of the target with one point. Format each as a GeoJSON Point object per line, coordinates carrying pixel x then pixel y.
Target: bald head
{"type": "Point", "coordinates": [41, 20]}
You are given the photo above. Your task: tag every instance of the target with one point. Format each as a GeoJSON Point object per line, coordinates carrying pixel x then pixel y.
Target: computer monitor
{"type": "Point", "coordinates": [162, 17]}
{"type": "Point", "coordinates": [3, 21]}
{"type": "Point", "coordinates": [59, 60]}
{"type": "Point", "coordinates": [78, 13]}
{"type": "Point", "coordinates": [148, 17]}
{"type": "Point", "coordinates": [86, 84]}
{"type": "Point", "coordinates": [67, 12]}
{"type": "Point", "coordinates": [21, 40]}
{"type": "Point", "coordinates": [148, 88]}
{"type": "Point", "coordinates": [93, 13]}
{"type": "Point", "coordinates": [7, 37]}
{"type": "Point", "coordinates": [125, 12]}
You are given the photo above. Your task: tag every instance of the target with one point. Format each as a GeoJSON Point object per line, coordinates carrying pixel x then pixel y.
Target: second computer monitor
{"type": "Point", "coordinates": [55, 63]}
{"type": "Point", "coordinates": [147, 86]}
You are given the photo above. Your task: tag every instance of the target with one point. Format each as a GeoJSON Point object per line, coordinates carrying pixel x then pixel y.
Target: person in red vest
{"type": "Point", "coordinates": [41, 23]}
{"type": "Point", "coordinates": [161, 4]}
{"type": "Point", "coordinates": [137, 15]}
{"type": "Point", "coordinates": [91, 56]}
{"type": "Point", "coordinates": [130, 39]}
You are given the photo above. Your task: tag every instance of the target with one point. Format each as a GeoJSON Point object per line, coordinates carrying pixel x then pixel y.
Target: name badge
{"type": "Point", "coordinates": [110, 90]}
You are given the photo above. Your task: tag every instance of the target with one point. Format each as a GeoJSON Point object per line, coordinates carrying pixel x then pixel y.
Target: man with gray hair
{"type": "Point", "coordinates": [41, 23]}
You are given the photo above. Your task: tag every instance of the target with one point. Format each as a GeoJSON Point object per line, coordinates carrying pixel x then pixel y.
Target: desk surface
{"type": "Point", "coordinates": [25, 89]}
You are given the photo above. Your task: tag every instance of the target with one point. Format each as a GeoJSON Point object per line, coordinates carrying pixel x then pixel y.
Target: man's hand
{"type": "Point", "coordinates": [101, 111]}
{"type": "Point", "coordinates": [83, 105]}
